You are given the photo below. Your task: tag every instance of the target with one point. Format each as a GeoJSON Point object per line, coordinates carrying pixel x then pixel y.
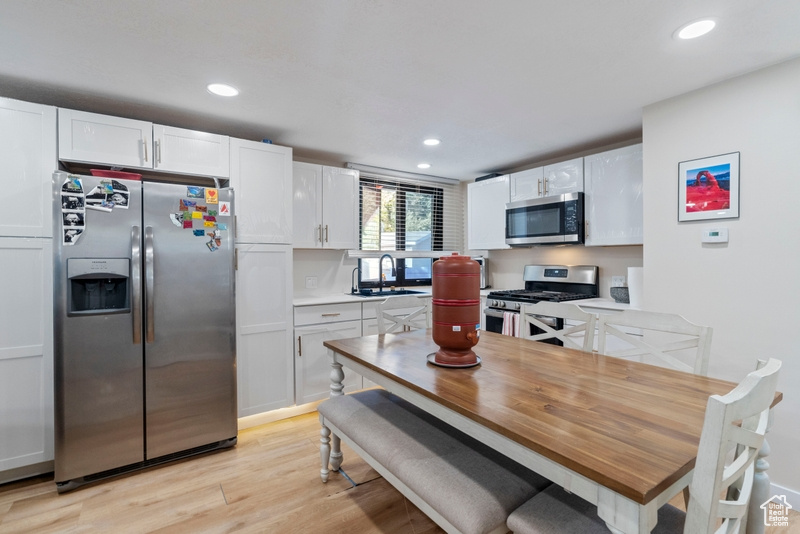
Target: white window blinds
{"type": "Point", "coordinates": [406, 214]}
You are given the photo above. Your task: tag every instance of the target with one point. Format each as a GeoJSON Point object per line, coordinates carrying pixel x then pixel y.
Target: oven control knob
{"type": "Point", "coordinates": [516, 306]}
{"type": "Point", "coordinates": [501, 304]}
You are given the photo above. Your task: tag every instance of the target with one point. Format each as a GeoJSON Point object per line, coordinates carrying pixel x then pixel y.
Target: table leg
{"type": "Point", "coordinates": [337, 375]}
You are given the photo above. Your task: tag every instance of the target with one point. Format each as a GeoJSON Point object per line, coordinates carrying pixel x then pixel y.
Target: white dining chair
{"type": "Point", "coordinates": [580, 336]}
{"type": "Point", "coordinates": [733, 431]}
{"type": "Point", "coordinates": [404, 313]}
{"type": "Point", "coordinates": [654, 337]}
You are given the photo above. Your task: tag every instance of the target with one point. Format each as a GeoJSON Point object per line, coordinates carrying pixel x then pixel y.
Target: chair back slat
{"type": "Point", "coordinates": [532, 314]}
{"type": "Point", "coordinates": [652, 335]}
{"type": "Point", "coordinates": [403, 313]}
{"type": "Point", "coordinates": [716, 471]}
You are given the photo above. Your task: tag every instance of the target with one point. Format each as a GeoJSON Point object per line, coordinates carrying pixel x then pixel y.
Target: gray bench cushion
{"type": "Point", "coordinates": [554, 511]}
{"type": "Point", "coordinates": [472, 486]}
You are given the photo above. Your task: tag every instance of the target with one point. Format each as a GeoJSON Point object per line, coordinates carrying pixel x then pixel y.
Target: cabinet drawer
{"type": "Point", "coordinates": [327, 313]}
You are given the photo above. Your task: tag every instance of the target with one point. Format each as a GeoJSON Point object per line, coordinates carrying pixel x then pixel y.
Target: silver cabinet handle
{"type": "Point", "coordinates": [326, 233]}
{"type": "Point", "coordinates": [337, 314]}
{"type": "Point", "coordinates": [539, 187]}
{"type": "Point", "coordinates": [149, 279]}
{"type": "Point", "coordinates": [300, 346]}
{"type": "Point", "coordinates": [136, 284]}
{"type": "Point", "coordinates": [320, 233]}
{"type": "Point", "coordinates": [158, 151]}
{"type": "Point", "coordinates": [144, 144]}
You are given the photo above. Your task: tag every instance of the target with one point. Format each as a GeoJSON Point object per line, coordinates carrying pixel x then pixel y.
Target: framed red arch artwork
{"type": "Point", "coordinates": [708, 188]}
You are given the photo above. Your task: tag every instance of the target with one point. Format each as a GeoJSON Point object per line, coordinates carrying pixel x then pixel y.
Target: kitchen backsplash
{"type": "Point", "coordinates": [326, 272]}
{"type": "Point", "coordinates": [505, 266]}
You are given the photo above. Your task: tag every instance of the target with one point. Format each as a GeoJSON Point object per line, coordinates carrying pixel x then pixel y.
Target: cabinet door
{"type": "Point", "coordinates": [92, 138]}
{"type": "Point", "coordinates": [614, 207]}
{"type": "Point", "coordinates": [486, 214]}
{"type": "Point", "coordinates": [265, 371]}
{"type": "Point", "coordinates": [312, 364]}
{"type": "Point", "coordinates": [261, 175]}
{"type": "Point", "coordinates": [527, 184]}
{"type": "Point", "coordinates": [26, 355]}
{"type": "Point", "coordinates": [563, 177]}
{"type": "Point", "coordinates": [306, 205]}
{"type": "Point", "coordinates": [190, 152]}
{"type": "Point", "coordinates": [28, 153]}
{"type": "Point", "coordinates": [340, 208]}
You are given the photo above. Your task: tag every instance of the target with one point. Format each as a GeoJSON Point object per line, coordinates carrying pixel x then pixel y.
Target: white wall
{"type": "Point", "coordinates": [747, 290]}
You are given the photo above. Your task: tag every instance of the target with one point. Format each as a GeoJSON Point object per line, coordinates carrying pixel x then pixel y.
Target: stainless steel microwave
{"type": "Point", "coordinates": [542, 221]}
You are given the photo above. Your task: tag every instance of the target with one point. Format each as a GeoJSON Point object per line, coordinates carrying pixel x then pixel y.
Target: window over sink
{"type": "Point", "coordinates": [399, 216]}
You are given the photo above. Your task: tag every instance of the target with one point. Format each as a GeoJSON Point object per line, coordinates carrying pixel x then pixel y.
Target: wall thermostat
{"type": "Point", "coordinates": [715, 235]}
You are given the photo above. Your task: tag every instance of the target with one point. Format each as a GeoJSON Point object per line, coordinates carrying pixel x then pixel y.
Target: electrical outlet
{"type": "Point", "coordinates": [617, 281]}
{"type": "Point", "coordinates": [311, 282]}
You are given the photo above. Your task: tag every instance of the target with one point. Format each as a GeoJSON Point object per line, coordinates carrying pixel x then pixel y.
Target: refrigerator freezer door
{"type": "Point", "coordinates": [98, 368]}
{"type": "Point", "coordinates": [190, 362]}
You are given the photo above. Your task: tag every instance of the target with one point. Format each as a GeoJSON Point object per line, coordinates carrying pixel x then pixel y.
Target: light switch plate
{"type": "Point", "coordinates": [617, 281]}
{"type": "Point", "coordinates": [311, 282]}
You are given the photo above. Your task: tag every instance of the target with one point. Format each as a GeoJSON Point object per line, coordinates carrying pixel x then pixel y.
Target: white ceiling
{"type": "Point", "coordinates": [503, 83]}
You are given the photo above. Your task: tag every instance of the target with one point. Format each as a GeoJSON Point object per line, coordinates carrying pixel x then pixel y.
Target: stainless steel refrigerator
{"type": "Point", "coordinates": [145, 360]}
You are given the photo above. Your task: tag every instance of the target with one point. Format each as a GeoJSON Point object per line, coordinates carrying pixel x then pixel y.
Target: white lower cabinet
{"type": "Point", "coordinates": [264, 328]}
{"type": "Point", "coordinates": [313, 326]}
{"type": "Point", "coordinates": [26, 357]}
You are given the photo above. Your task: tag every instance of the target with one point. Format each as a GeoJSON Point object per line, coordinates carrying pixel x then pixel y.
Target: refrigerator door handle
{"type": "Point", "coordinates": [148, 285]}
{"type": "Point", "coordinates": [136, 283]}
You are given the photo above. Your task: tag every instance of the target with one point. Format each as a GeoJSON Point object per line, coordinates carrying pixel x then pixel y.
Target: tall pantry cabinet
{"type": "Point", "coordinates": [261, 175]}
{"type": "Point", "coordinates": [28, 156]}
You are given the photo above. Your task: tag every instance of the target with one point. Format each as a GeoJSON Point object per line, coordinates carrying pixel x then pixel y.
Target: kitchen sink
{"type": "Point", "coordinates": [387, 293]}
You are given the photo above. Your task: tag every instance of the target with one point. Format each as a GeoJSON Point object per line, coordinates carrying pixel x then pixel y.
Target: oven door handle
{"type": "Point", "coordinates": [491, 312]}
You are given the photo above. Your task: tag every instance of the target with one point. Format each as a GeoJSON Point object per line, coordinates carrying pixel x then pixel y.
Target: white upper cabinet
{"type": "Point", "coordinates": [526, 184]}
{"type": "Point", "coordinates": [92, 138]}
{"type": "Point", "coordinates": [486, 213]}
{"type": "Point", "coordinates": [550, 180]}
{"type": "Point", "coordinates": [190, 152]}
{"type": "Point", "coordinates": [614, 197]}
{"type": "Point", "coordinates": [563, 177]}
{"type": "Point", "coordinates": [131, 144]}
{"type": "Point", "coordinates": [28, 153]}
{"type": "Point", "coordinates": [325, 207]}
{"type": "Point", "coordinates": [261, 176]}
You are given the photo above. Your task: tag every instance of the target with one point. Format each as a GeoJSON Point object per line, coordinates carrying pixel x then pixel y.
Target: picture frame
{"type": "Point", "coordinates": [708, 188]}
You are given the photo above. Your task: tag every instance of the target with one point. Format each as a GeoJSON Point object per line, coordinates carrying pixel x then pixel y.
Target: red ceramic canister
{"type": "Point", "coordinates": [456, 309]}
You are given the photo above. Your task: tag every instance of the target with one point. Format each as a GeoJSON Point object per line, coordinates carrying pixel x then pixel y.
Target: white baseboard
{"type": "Point", "coordinates": [792, 496]}
{"type": "Point", "coordinates": [275, 415]}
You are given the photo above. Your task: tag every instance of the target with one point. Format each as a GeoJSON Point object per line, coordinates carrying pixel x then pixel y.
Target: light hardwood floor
{"type": "Point", "coordinates": [269, 483]}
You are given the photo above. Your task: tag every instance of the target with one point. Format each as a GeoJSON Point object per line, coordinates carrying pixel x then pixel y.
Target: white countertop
{"type": "Point", "coordinates": [341, 298]}
{"type": "Point", "coordinates": [603, 303]}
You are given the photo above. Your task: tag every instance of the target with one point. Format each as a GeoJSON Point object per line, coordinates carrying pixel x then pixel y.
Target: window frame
{"type": "Point", "coordinates": [437, 229]}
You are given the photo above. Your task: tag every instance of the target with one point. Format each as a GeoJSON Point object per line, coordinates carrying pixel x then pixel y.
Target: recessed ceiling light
{"type": "Point", "coordinates": [222, 89]}
{"type": "Point", "coordinates": [431, 142]}
{"type": "Point", "coordinates": [695, 29]}
{"type": "Point", "coordinates": [424, 166]}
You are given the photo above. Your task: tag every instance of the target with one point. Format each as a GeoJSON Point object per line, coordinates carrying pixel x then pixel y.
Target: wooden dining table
{"type": "Point", "coordinates": [621, 434]}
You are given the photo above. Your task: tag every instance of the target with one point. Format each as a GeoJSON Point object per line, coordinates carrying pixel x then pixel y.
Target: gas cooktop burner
{"type": "Point", "coordinates": [524, 295]}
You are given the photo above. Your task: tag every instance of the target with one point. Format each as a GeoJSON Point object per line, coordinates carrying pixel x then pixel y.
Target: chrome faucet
{"type": "Point", "coordinates": [380, 270]}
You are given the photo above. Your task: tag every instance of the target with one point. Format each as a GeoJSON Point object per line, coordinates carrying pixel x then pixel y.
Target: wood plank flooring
{"type": "Point", "coordinates": [268, 483]}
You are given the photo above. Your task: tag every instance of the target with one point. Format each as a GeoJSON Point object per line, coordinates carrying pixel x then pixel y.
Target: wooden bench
{"type": "Point", "coordinates": [458, 482]}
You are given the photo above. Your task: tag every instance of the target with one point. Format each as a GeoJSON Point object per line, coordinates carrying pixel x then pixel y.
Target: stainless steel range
{"type": "Point", "coordinates": [555, 283]}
